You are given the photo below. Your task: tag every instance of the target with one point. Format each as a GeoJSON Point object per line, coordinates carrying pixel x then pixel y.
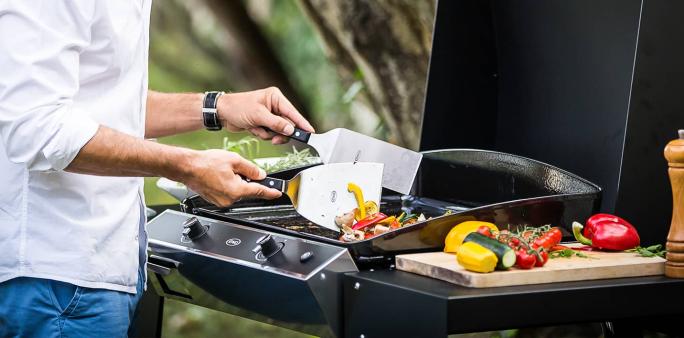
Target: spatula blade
{"type": "Point", "coordinates": [323, 194]}
{"type": "Point", "coordinates": [342, 145]}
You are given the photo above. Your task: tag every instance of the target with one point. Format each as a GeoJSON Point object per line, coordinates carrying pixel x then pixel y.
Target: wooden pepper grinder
{"type": "Point", "coordinates": [674, 153]}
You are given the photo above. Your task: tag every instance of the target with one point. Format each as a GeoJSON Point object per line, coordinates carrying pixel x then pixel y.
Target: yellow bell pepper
{"type": "Point", "coordinates": [358, 194]}
{"type": "Point", "coordinates": [455, 237]}
{"type": "Point", "coordinates": [475, 257]}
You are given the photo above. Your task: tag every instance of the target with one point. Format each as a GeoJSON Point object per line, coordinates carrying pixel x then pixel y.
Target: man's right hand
{"type": "Point", "coordinates": [259, 110]}
{"type": "Point", "coordinates": [217, 175]}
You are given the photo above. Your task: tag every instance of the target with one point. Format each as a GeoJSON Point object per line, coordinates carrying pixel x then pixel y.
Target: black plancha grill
{"type": "Point", "coordinates": [261, 260]}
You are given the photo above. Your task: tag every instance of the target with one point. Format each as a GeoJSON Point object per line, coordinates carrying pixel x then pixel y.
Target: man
{"type": "Point", "coordinates": [74, 112]}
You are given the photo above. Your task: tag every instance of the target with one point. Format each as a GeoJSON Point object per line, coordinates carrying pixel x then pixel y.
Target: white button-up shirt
{"type": "Point", "coordinates": [66, 67]}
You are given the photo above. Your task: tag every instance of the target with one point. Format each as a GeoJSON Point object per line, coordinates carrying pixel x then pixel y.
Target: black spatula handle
{"type": "Point", "coordinates": [271, 182]}
{"type": "Point", "coordinates": [300, 135]}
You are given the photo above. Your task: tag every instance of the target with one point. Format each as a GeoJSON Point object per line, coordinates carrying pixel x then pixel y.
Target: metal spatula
{"type": "Point", "coordinates": [342, 145]}
{"type": "Point", "coordinates": [320, 193]}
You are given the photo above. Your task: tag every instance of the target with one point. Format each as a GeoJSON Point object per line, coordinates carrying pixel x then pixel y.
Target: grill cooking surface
{"type": "Point", "coordinates": [284, 216]}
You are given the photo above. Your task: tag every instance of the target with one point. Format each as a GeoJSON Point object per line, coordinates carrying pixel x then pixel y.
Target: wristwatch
{"type": "Point", "coordinates": [210, 112]}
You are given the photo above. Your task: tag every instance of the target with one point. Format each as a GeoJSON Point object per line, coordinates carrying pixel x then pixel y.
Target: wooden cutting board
{"type": "Point", "coordinates": [601, 265]}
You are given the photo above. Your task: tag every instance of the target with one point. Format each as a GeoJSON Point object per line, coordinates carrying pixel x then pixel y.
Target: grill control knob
{"type": "Point", "coordinates": [194, 229]}
{"type": "Point", "coordinates": [267, 246]}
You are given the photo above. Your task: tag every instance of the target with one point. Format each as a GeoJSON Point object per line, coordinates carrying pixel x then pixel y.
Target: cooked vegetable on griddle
{"type": "Point", "coordinates": [366, 220]}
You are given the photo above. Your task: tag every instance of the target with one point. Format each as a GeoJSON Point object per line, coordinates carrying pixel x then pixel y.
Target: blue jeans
{"type": "Point", "coordinates": [34, 307]}
{"type": "Point", "coordinates": [44, 308]}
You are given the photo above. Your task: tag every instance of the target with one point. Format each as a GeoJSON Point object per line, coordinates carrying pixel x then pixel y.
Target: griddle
{"type": "Point", "coordinates": [508, 190]}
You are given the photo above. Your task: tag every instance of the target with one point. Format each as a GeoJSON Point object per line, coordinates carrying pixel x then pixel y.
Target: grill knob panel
{"type": "Point", "coordinates": [194, 229]}
{"type": "Point", "coordinates": [228, 247]}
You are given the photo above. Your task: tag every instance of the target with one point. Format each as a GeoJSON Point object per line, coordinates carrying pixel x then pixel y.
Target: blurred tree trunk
{"type": "Point", "coordinates": [244, 58]}
{"type": "Point", "coordinates": [388, 43]}
{"type": "Point", "coordinates": [251, 50]}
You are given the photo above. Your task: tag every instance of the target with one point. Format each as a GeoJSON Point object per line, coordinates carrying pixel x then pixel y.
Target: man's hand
{"type": "Point", "coordinates": [256, 110]}
{"type": "Point", "coordinates": [216, 176]}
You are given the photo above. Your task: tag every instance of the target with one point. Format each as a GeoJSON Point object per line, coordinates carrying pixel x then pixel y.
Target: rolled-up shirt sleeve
{"type": "Point", "coordinates": [40, 47]}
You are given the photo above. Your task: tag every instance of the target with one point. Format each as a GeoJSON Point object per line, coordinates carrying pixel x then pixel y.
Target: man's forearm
{"type": "Point", "coordinates": [215, 174]}
{"type": "Point", "coordinates": [169, 114]}
{"type": "Point", "coordinates": [112, 153]}
{"type": "Point", "coordinates": [258, 111]}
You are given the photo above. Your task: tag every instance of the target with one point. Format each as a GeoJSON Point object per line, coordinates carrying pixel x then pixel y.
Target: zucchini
{"type": "Point", "coordinates": [503, 252]}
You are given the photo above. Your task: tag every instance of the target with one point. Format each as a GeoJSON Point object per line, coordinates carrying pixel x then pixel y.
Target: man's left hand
{"type": "Point", "coordinates": [256, 110]}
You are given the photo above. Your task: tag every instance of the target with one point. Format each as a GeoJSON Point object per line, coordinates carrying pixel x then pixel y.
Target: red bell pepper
{"type": "Point", "coordinates": [607, 232]}
{"type": "Point", "coordinates": [593, 221]}
{"type": "Point", "coordinates": [368, 221]}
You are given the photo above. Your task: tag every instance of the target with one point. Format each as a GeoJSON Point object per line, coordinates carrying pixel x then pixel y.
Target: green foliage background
{"type": "Point", "coordinates": [177, 67]}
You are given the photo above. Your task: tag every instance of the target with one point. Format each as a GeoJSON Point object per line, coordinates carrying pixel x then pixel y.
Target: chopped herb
{"type": "Point", "coordinates": [248, 147]}
{"type": "Point", "coordinates": [651, 251]}
{"type": "Point", "coordinates": [567, 253]}
{"type": "Point", "coordinates": [293, 159]}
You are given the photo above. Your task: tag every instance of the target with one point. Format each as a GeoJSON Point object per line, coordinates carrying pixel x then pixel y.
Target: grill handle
{"type": "Point", "coordinates": [161, 265]}
{"type": "Point", "coordinates": [162, 270]}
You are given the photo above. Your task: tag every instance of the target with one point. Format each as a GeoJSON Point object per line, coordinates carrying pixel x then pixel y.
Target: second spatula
{"type": "Point", "coordinates": [320, 193]}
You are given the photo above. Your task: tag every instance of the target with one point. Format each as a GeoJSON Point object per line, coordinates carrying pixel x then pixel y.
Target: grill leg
{"type": "Point", "coordinates": [643, 326]}
{"type": "Point", "coordinates": [148, 319]}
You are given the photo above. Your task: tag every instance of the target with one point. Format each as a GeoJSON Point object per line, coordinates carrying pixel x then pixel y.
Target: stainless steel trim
{"type": "Point", "coordinates": [326, 263]}
{"type": "Point", "coordinates": [261, 208]}
{"type": "Point", "coordinates": [287, 273]}
{"type": "Point", "coordinates": [162, 270]}
{"type": "Point", "coordinates": [227, 259]}
{"type": "Point", "coordinates": [211, 220]}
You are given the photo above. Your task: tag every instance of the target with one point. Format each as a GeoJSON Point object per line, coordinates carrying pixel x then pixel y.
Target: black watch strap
{"type": "Point", "coordinates": [210, 112]}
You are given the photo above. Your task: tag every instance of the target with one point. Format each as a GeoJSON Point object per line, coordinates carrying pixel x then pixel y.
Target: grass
{"type": "Point", "coordinates": [182, 320]}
